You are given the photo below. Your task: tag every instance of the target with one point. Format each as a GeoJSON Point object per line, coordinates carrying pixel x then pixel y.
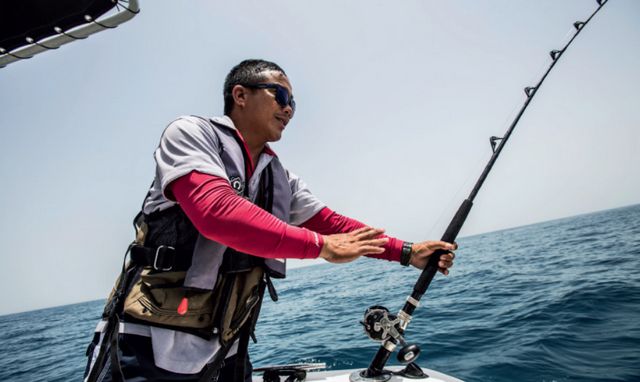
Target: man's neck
{"type": "Point", "coordinates": [255, 144]}
{"type": "Point", "coordinates": [254, 149]}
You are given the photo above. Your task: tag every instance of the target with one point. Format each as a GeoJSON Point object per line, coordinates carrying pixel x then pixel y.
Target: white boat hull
{"type": "Point", "coordinates": [344, 376]}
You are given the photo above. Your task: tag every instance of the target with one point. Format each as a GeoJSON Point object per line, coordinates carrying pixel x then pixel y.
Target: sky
{"type": "Point", "coordinates": [396, 104]}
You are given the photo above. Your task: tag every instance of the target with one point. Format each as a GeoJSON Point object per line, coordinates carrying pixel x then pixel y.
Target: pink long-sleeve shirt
{"type": "Point", "coordinates": [221, 215]}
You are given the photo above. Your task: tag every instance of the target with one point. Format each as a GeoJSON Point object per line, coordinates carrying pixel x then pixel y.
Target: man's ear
{"type": "Point", "coordinates": [239, 94]}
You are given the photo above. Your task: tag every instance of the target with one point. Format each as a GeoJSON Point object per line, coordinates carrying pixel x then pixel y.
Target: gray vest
{"type": "Point", "coordinates": [208, 254]}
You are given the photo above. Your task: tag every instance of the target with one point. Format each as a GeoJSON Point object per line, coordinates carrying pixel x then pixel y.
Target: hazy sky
{"type": "Point", "coordinates": [396, 102]}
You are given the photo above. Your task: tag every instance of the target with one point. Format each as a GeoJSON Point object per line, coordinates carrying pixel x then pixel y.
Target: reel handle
{"type": "Point", "coordinates": [408, 353]}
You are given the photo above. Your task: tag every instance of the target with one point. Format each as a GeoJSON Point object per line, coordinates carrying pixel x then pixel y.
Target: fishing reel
{"type": "Point", "coordinates": [381, 325]}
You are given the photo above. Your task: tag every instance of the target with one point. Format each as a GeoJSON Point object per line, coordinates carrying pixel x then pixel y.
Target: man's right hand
{"type": "Point", "coordinates": [346, 247]}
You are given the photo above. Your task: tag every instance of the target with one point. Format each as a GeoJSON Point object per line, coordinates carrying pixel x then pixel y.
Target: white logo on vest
{"type": "Point", "coordinates": [237, 184]}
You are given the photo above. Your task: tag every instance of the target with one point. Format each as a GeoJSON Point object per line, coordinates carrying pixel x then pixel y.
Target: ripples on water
{"type": "Point", "coordinates": [556, 301]}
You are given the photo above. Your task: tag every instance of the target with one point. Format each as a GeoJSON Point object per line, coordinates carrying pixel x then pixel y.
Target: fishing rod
{"type": "Point", "coordinates": [380, 325]}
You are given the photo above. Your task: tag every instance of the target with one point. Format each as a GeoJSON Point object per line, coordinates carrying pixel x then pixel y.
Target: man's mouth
{"type": "Point", "coordinates": [282, 120]}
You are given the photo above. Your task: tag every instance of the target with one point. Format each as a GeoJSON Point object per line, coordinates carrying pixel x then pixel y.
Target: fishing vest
{"type": "Point", "coordinates": [184, 281]}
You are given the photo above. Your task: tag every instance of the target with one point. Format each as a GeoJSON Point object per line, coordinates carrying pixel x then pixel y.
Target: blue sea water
{"type": "Point", "coordinates": [555, 301]}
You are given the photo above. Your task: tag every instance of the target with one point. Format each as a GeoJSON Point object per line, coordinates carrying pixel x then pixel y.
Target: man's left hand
{"type": "Point", "coordinates": [420, 253]}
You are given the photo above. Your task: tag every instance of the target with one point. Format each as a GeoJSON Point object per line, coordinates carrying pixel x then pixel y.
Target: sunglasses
{"type": "Point", "coordinates": [282, 94]}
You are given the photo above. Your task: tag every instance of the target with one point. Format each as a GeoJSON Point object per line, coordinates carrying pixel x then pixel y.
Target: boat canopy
{"type": "Point", "coordinates": [29, 27]}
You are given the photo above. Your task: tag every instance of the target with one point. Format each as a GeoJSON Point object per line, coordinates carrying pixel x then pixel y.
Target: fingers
{"type": "Point", "coordinates": [446, 262]}
{"type": "Point", "coordinates": [343, 248]}
{"type": "Point", "coordinates": [370, 250]}
{"type": "Point", "coordinates": [376, 242]}
{"type": "Point", "coordinates": [424, 250]}
{"type": "Point", "coordinates": [448, 257]}
{"type": "Point", "coordinates": [435, 245]}
{"type": "Point", "coordinates": [366, 242]}
{"type": "Point", "coordinates": [367, 233]}
{"type": "Point", "coordinates": [371, 246]}
{"type": "Point", "coordinates": [445, 270]}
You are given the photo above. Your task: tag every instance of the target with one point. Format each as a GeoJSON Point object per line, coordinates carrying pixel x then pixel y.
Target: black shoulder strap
{"type": "Point", "coordinates": [242, 354]}
{"type": "Point", "coordinates": [212, 370]}
{"type": "Point", "coordinates": [110, 336]}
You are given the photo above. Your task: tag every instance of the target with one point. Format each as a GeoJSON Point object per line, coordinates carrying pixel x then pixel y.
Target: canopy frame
{"type": "Point", "coordinates": [60, 37]}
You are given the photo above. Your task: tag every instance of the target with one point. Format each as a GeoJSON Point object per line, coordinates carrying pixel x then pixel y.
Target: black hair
{"type": "Point", "coordinates": [246, 72]}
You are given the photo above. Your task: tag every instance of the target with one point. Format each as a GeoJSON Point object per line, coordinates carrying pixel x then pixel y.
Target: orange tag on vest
{"type": "Point", "coordinates": [183, 307]}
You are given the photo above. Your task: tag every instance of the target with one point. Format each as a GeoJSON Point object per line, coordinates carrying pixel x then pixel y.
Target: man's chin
{"type": "Point", "coordinates": [275, 137]}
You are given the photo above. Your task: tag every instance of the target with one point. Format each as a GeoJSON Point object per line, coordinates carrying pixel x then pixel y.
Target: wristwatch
{"type": "Point", "coordinates": [405, 255]}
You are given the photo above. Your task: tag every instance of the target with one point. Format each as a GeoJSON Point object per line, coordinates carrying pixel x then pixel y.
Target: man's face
{"type": "Point", "coordinates": [268, 118]}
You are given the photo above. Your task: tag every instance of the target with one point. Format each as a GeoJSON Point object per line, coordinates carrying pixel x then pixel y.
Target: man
{"type": "Point", "coordinates": [219, 218]}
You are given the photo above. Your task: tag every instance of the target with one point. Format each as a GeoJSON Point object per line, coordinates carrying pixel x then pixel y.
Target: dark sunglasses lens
{"type": "Point", "coordinates": [282, 98]}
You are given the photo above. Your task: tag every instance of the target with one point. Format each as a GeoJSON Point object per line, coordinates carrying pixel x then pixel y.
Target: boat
{"type": "Point", "coordinates": [316, 372]}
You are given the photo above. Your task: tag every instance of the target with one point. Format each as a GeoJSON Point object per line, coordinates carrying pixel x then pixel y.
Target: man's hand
{"type": "Point", "coordinates": [420, 253]}
{"type": "Point", "coordinates": [346, 247]}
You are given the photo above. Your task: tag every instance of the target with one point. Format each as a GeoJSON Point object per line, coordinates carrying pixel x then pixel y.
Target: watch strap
{"type": "Point", "coordinates": [405, 254]}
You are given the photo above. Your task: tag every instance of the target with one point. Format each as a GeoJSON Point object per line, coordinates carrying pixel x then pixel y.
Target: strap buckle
{"type": "Point", "coordinates": [161, 252]}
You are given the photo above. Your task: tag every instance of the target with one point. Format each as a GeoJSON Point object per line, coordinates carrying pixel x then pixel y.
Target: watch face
{"type": "Point", "coordinates": [405, 255]}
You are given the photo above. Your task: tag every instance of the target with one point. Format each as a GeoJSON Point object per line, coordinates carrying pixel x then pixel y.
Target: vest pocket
{"type": "Point", "coordinates": [155, 299]}
{"type": "Point", "coordinates": [242, 297]}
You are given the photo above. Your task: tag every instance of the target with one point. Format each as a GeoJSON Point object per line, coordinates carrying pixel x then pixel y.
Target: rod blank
{"type": "Point", "coordinates": [376, 368]}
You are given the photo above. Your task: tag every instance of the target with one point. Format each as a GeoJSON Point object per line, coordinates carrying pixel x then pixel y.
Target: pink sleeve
{"type": "Point", "coordinates": [220, 215]}
{"type": "Point", "coordinates": [327, 222]}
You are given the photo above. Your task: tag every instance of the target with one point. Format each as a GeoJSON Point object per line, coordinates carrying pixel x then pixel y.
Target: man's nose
{"type": "Point", "coordinates": [288, 110]}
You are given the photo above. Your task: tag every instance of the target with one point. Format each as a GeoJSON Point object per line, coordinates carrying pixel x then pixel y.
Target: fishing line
{"type": "Point", "coordinates": [480, 159]}
{"type": "Point", "coordinates": [380, 325]}
{"type": "Point", "coordinates": [451, 205]}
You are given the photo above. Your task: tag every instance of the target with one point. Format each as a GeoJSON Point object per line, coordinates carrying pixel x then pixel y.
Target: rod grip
{"type": "Point", "coordinates": [458, 220]}
{"type": "Point", "coordinates": [382, 356]}
{"type": "Point", "coordinates": [449, 236]}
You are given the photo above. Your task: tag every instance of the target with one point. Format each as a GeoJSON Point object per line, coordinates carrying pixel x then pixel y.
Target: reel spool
{"type": "Point", "coordinates": [381, 325]}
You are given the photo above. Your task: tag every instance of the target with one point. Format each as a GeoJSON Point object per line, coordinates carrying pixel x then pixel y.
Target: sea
{"type": "Point", "coordinates": [554, 301]}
